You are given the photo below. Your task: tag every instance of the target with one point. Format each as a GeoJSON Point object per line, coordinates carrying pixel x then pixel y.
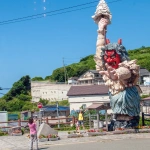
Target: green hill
{"type": "Point", "coordinates": [77, 69]}
{"type": "Point", "coordinates": [142, 55]}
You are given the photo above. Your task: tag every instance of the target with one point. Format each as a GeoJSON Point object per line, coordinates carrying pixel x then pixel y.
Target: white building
{"type": "Point", "coordinates": [48, 91]}
{"type": "Point", "coordinates": [91, 77]}
{"type": "Point", "coordinates": [144, 76]}
{"type": "Point", "coordinates": [87, 95]}
{"type": "Point", "coordinates": [73, 80]}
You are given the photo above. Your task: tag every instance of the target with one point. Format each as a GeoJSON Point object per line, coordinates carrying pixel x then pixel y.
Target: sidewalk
{"type": "Point", "coordinates": [22, 142]}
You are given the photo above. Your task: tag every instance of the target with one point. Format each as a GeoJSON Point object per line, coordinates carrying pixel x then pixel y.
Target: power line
{"type": "Point", "coordinates": [49, 12]}
{"type": "Point", "coordinates": [42, 16]}
{"type": "Point", "coordinates": [38, 15]}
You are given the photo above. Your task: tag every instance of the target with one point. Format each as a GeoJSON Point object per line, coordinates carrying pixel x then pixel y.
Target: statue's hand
{"type": "Point", "coordinates": [110, 73]}
{"type": "Point", "coordinates": [102, 23]}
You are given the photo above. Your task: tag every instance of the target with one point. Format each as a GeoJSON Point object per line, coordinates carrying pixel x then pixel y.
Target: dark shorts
{"type": "Point", "coordinates": [80, 122]}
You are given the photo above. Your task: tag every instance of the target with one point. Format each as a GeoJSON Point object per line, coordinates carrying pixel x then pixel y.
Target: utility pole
{"type": "Point", "coordinates": [64, 70]}
{"type": "Point", "coordinates": [58, 115]}
{"type": "Point", "coordinates": [149, 85]}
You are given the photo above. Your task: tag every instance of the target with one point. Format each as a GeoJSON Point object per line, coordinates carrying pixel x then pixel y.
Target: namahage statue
{"type": "Point", "coordinates": [119, 73]}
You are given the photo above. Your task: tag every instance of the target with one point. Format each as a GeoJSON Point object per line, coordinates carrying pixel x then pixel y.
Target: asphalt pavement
{"type": "Point", "coordinates": [136, 141]}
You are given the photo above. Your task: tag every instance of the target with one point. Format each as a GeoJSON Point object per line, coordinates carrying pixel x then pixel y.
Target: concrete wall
{"type": "Point", "coordinates": [49, 91]}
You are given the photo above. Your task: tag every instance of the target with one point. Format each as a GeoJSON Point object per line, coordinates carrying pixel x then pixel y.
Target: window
{"type": "Point", "coordinates": [96, 75]}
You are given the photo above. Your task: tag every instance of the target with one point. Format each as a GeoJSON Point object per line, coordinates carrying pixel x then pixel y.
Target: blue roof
{"type": "Point", "coordinates": [54, 108]}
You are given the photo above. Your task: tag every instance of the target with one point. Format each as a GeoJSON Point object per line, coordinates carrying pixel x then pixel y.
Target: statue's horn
{"type": "Point", "coordinates": [107, 41]}
{"type": "Point", "coordinates": [120, 41]}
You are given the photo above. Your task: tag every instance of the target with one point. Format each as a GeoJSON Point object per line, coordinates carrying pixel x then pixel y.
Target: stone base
{"type": "Point", "coordinates": [123, 121]}
{"type": "Point", "coordinates": [96, 133]}
{"type": "Point", "coordinates": [74, 135]}
{"type": "Point", "coordinates": [123, 117]}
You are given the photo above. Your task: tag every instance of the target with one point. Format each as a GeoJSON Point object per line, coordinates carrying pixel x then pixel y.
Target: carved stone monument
{"type": "Point", "coordinates": [45, 130]}
{"type": "Point", "coordinates": [119, 73]}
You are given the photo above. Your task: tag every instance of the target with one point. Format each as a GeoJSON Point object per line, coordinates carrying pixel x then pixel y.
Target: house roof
{"type": "Point", "coordinates": [87, 90]}
{"type": "Point", "coordinates": [99, 106]}
{"type": "Point", "coordinates": [54, 108]}
{"type": "Point", "coordinates": [144, 72]}
{"type": "Point", "coordinates": [93, 71]}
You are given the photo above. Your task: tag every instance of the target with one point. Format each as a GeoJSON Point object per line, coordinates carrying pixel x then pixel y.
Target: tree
{"type": "Point", "coordinates": [37, 79]}
{"type": "Point", "coordinates": [24, 97]}
{"type": "Point", "coordinates": [47, 78]}
{"type": "Point", "coordinates": [30, 106]}
{"type": "Point", "coordinates": [2, 104]}
{"type": "Point", "coordinates": [15, 105]}
{"type": "Point", "coordinates": [20, 87]}
{"type": "Point", "coordinates": [58, 75]}
{"type": "Point", "coordinates": [44, 102]}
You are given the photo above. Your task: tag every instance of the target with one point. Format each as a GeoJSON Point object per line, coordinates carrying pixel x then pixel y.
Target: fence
{"type": "Point", "coordinates": [53, 122]}
{"type": "Point", "coordinates": [145, 118]}
{"type": "Point", "coordinates": [22, 123]}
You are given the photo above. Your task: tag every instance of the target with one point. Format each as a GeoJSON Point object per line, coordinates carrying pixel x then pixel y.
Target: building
{"type": "Point", "coordinates": [145, 105]}
{"type": "Point", "coordinates": [144, 76]}
{"type": "Point", "coordinates": [73, 80]}
{"type": "Point", "coordinates": [49, 91]}
{"type": "Point", "coordinates": [90, 77]}
{"type": "Point", "coordinates": [86, 95]}
{"type": "Point", "coordinates": [54, 112]}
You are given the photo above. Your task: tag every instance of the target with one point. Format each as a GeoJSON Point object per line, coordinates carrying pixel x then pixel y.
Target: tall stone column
{"type": "Point", "coordinates": [102, 18]}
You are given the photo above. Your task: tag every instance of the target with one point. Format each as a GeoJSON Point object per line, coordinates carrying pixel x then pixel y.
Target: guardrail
{"type": "Point", "coordinates": [19, 122]}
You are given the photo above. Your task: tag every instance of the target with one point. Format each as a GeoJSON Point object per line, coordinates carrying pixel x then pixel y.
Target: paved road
{"type": "Point", "coordinates": [138, 141]}
{"type": "Point", "coordinates": [127, 144]}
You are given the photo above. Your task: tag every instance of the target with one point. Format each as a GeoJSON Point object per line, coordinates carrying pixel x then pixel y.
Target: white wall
{"type": "Point", "coordinates": [49, 91]}
{"type": "Point", "coordinates": [3, 118]}
{"type": "Point", "coordinates": [77, 102]}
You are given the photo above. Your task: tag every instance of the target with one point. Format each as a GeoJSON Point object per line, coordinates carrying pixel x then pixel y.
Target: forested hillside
{"type": "Point", "coordinates": [77, 69]}
{"type": "Point", "coordinates": [19, 97]}
{"type": "Point", "coordinates": [142, 55]}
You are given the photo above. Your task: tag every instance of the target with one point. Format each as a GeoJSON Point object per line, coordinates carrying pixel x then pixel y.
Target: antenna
{"type": "Point", "coordinates": [64, 70]}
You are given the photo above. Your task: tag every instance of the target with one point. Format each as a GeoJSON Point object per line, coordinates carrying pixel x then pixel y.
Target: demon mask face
{"type": "Point", "coordinates": [112, 58]}
{"type": "Point", "coordinates": [114, 53]}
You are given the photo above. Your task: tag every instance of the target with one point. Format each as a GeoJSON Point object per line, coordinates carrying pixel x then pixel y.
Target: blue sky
{"type": "Point", "coordinates": [38, 46]}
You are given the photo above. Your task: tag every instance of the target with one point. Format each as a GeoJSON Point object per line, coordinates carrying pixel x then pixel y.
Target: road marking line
{"type": "Point", "coordinates": [71, 143]}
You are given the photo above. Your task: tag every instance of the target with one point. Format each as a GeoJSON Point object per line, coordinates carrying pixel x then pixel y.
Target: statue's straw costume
{"type": "Point", "coordinates": [119, 73]}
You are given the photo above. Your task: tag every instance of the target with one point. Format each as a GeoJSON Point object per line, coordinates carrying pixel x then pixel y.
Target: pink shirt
{"type": "Point", "coordinates": [32, 128]}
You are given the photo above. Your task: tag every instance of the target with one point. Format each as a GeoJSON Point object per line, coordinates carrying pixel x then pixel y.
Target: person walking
{"type": "Point", "coordinates": [80, 120]}
{"type": "Point", "coordinates": [33, 133]}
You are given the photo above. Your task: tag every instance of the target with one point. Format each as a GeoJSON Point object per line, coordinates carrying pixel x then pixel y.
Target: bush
{"type": "Point", "coordinates": [3, 133]}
